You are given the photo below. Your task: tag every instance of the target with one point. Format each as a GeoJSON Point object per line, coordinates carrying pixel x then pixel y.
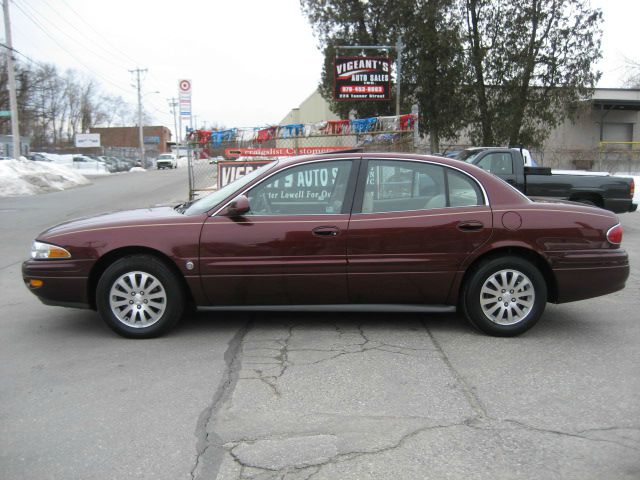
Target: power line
{"type": "Point", "coordinates": [43, 19]}
{"type": "Point", "coordinates": [19, 53]}
{"type": "Point", "coordinates": [119, 53]}
{"type": "Point", "coordinates": [37, 24]}
{"type": "Point", "coordinates": [83, 35]}
{"type": "Point", "coordinates": [135, 62]}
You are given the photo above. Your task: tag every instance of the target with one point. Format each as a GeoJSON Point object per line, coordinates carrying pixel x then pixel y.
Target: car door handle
{"type": "Point", "coordinates": [325, 231]}
{"type": "Point", "coordinates": [470, 226]}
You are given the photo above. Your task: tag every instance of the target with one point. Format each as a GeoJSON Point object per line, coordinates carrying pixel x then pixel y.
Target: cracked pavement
{"type": "Point", "coordinates": [313, 399]}
{"type": "Point", "coordinates": [299, 396]}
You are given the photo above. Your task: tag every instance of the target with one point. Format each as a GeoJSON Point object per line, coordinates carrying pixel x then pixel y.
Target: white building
{"type": "Point", "coordinates": [605, 129]}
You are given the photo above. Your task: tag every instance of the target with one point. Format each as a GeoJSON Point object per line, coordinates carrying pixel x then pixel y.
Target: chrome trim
{"type": "Point", "coordinates": [607, 235]}
{"type": "Point", "coordinates": [484, 192]}
{"type": "Point", "coordinates": [364, 307]}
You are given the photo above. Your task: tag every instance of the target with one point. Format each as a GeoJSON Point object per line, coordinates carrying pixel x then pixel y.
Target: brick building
{"type": "Point", "coordinates": [156, 139]}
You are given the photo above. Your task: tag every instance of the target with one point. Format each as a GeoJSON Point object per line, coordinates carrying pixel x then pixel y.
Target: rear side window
{"type": "Point", "coordinates": [498, 163]}
{"type": "Point", "coordinates": [397, 185]}
{"type": "Point", "coordinates": [463, 191]}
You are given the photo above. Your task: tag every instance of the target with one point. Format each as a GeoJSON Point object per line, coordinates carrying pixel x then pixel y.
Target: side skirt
{"type": "Point", "coordinates": [368, 307]}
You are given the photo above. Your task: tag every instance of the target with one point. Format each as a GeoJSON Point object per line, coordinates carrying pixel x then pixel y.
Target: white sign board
{"type": "Point", "coordinates": [184, 95]}
{"type": "Point", "coordinates": [87, 140]}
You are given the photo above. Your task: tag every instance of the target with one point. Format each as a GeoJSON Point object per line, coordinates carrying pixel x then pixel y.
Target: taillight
{"type": "Point", "coordinates": [633, 188]}
{"type": "Point", "coordinates": [614, 235]}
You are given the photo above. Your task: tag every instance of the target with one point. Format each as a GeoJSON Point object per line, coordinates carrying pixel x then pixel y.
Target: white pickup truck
{"type": "Point", "coordinates": [166, 160]}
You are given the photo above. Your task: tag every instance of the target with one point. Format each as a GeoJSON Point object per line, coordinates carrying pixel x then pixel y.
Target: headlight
{"type": "Point", "coordinates": [41, 250]}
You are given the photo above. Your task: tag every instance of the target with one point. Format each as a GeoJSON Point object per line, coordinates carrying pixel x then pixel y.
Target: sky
{"type": "Point", "coordinates": [249, 61]}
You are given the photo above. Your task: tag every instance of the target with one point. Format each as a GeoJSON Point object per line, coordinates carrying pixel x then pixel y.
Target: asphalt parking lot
{"type": "Point", "coordinates": [309, 395]}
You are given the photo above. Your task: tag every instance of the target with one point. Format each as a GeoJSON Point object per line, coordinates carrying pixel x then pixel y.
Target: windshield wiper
{"type": "Point", "coordinates": [182, 207]}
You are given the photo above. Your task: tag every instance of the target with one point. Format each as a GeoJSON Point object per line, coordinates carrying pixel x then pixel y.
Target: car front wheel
{"type": "Point", "coordinates": [505, 296]}
{"type": "Point", "coordinates": [139, 297]}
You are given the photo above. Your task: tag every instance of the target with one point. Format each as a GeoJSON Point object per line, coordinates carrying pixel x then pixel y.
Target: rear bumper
{"type": "Point", "coordinates": [619, 205]}
{"type": "Point", "coordinates": [582, 275]}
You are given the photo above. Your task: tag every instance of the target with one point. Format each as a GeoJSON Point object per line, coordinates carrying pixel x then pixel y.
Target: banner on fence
{"type": "Point", "coordinates": [278, 152]}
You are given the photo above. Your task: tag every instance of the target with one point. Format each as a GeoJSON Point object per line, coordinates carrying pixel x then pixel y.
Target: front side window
{"type": "Point", "coordinates": [312, 189]}
{"type": "Point", "coordinates": [397, 186]}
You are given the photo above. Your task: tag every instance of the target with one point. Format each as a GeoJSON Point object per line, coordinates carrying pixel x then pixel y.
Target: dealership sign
{"type": "Point", "coordinates": [231, 170]}
{"type": "Point", "coordinates": [278, 152]}
{"type": "Point", "coordinates": [362, 78]}
{"type": "Point", "coordinates": [87, 140]}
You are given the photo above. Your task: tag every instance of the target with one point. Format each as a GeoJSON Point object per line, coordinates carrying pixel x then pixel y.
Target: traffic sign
{"type": "Point", "coordinates": [185, 86]}
{"type": "Point", "coordinates": [5, 113]}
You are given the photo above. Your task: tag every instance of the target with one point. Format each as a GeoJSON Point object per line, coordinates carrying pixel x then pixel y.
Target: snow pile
{"type": "Point", "coordinates": [25, 177]}
{"type": "Point", "coordinates": [183, 162]}
{"type": "Point", "coordinates": [137, 169]}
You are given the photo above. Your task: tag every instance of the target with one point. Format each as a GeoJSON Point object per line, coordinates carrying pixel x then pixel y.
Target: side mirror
{"type": "Point", "coordinates": [238, 206]}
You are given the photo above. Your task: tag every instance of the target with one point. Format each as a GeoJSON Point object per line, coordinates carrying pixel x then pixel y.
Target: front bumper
{"type": "Point", "coordinates": [64, 282]}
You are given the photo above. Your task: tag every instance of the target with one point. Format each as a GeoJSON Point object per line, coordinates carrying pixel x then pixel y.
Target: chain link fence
{"type": "Point", "coordinates": [213, 164]}
{"type": "Point", "coordinates": [218, 158]}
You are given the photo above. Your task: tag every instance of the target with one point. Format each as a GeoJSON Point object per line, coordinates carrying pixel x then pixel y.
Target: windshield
{"type": "Point", "coordinates": [205, 204]}
{"type": "Point", "coordinates": [468, 155]}
{"type": "Point", "coordinates": [165, 156]}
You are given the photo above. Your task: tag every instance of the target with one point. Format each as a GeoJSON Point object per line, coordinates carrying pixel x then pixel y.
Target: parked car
{"type": "Point", "coordinates": [89, 165]}
{"type": "Point", "coordinates": [517, 167]}
{"type": "Point", "coordinates": [109, 164]}
{"type": "Point", "coordinates": [357, 231]}
{"type": "Point", "coordinates": [39, 157]}
{"type": "Point", "coordinates": [130, 162]}
{"type": "Point", "coordinates": [166, 160]}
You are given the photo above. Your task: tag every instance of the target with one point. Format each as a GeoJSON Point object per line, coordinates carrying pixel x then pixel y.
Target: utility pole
{"type": "Point", "coordinates": [138, 71]}
{"type": "Point", "coordinates": [11, 78]}
{"type": "Point", "coordinates": [399, 47]}
{"type": "Point", "coordinates": [173, 103]}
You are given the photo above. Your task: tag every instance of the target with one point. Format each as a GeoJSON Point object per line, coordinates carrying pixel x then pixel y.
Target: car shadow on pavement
{"type": "Point", "coordinates": [555, 323]}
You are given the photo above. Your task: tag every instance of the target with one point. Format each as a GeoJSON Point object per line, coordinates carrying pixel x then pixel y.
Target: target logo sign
{"type": "Point", "coordinates": [185, 86]}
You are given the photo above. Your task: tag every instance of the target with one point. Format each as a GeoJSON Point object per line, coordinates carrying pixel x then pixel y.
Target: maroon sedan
{"type": "Point", "coordinates": [341, 231]}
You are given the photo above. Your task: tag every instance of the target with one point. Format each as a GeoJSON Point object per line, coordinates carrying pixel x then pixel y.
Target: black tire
{"type": "Point", "coordinates": [525, 302]}
{"type": "Point", "coordinates": [139, 297]}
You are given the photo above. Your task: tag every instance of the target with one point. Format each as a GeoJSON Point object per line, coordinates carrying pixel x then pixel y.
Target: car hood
{"type": "Point", "coordinates": [115, 219]}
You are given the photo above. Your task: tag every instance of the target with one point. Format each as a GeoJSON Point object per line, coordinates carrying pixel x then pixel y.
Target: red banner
{"type": "Point", "coordinates": [278, 152]}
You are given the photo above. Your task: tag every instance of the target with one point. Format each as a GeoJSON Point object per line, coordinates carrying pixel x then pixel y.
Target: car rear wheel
{"type": "Point", "coordinates": [139, 297]}
{"type": "Point", "coordinates": [505, 296]}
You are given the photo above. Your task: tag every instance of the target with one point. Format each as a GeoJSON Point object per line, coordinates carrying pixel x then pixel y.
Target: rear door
{"type": "Point", "coordinates": [413, 224]}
